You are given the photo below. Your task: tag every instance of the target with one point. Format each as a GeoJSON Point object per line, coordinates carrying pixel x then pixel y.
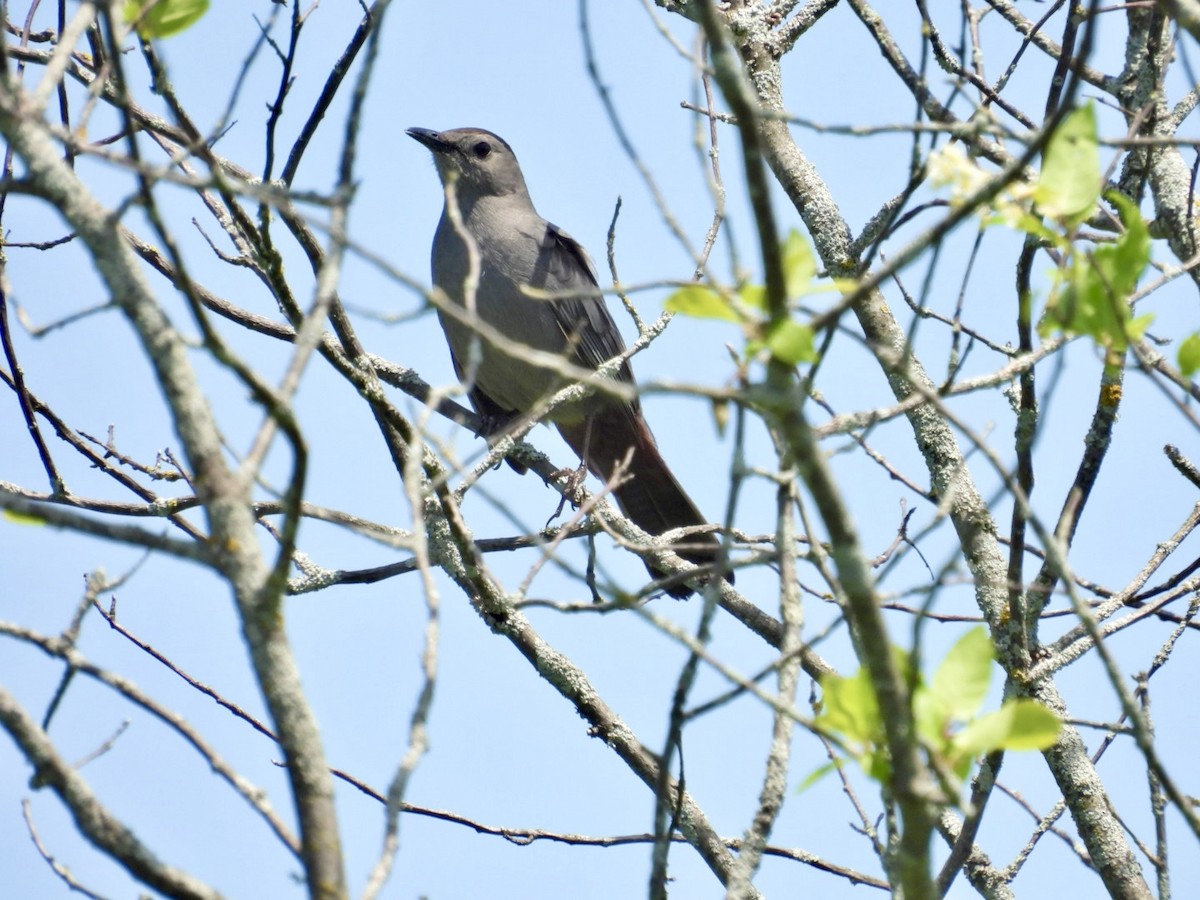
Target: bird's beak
{"type": "Point", "coordinates": [430, 138]}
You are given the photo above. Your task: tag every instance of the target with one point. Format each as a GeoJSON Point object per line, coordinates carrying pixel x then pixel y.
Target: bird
{"type": "Point", "coordinates": [536, 287]}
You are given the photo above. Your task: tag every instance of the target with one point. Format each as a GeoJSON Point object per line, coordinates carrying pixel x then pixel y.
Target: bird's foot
{"type": "Point", "coordinates": [573, 484]}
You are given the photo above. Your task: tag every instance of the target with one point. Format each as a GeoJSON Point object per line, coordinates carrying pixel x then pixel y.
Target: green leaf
{"type": "Point", "coordinates": [20, 518]}
{"type": "Point", "coordinates": [932, 721]}
{"type": "Point", "coordinates": [754, 296]}
{"type": "Point", "coordinates": [850, 713]}
{"type": "Point", "coordinates": [1136, 327]}
{"type": "Point", "coordinates": [1125, 261]}
{"type": "Point", "coordinates": [815, 776]}
{"type": "Point", "coordinates": [701, 302]}
{"type": "Point", "coordinates": [877, 765]}
{"type": "Point", "coordinates": [1018, 725]}
{"type": "Point", "coordinates": [1034, 225]}
{"type": "Point", "coordinates": [163, 18]}
{"type": "Point", "coordinates": [1189, 355]}
{"type": "Point", "coordinates": [1069, 184]}
{"type": "Point", "coordinates": [849, 708]}
{"type": "Point", "coordinates": [961, 682]}
{"type": "Point", "coordinates": [792, 343]}
{"type": "Point", "coordinates": [984, 734]}
{"type": "Point", "coordinates": [1034, 726]}
{"type": "Point", "coordinates": [956, 692]}
{"type": "Point", "coordinates": [799, 264]}
{"type": "Point", "coordinates": [1093, 298]}
{"type": "Point", "coordinates": [960, 764]}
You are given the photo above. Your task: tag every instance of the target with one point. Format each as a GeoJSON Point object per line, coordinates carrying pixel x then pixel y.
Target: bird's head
{"type": "Point", "coordinates": [481, 164]}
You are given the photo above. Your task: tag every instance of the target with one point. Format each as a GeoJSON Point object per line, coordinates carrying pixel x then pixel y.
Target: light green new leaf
{"type": "Point", "coordinates": [1018, 725]}
{"type": "Point", "coordinates": [1123, 262]}
{"type": "Point", "coordinates": [1136, 327]}
{"type": "Point", "coordinates": [1189, 355]}
{"type": "Point", "coordinates": [1034, 726]}
{"type": "Point", "coordinates": [961, 682]}
{"type": "Point", "coordinates": [19, 518]}
{"type": "Point", "coordinates": [799, 264]}
{"type": "Point", "coordinates": [956, 693]}
{"type": "Point", "coordinates": [983, 734]}
{"type": "Point", "coordinates": [1030, 224]}
{"type": "Point", "coordinates": [754, 296]}
{"type": "Point", "coordinates": [877, 765]}
{"type": "Point", "coordinates": [815, 776]}
{"type": "Point", "coordinates": [165, 17]}
{"type": "Point", "coordinates": [1094, 297]}
{"type": "Point", "coordinates": [701, 302]}
{"type": "Point", "coordinates": [792, 343]}
{"type": "Point", "coordinates": [849, 708]}
{"type": "Point", "coordinates": [1069, 184]}
{"type": "Point", "coordinates": [933, 724]}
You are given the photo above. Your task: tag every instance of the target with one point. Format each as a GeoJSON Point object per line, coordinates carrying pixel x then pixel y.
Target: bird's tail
{"type": "Point", "coordinates": [650, 496]}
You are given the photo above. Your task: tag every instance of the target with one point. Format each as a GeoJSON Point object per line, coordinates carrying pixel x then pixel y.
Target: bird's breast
{"type": "Point", "coordinates": [497, 330]}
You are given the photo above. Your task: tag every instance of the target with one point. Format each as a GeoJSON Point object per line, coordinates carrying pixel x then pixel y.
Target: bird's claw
{"type": "Point", "coordinates": [573, 484]}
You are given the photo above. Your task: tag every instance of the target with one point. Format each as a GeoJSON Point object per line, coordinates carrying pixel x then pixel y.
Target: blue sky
{"type": "Point", "coordinates": [505, 749]}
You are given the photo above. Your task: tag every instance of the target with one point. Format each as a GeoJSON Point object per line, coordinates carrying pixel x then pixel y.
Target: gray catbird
{"type": "Point", "coordinates": [517, 250]}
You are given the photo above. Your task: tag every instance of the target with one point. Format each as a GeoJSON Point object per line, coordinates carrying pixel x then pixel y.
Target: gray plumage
{"type": "Point", "coordinates": [517, 249]}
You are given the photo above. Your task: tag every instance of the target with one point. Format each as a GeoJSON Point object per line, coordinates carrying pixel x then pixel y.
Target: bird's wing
{"type": "Point", "coordinates": [583, 316]}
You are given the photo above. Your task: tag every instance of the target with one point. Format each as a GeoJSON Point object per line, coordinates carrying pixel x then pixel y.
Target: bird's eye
{"type": "Point", "coordinates": [482, 150]}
